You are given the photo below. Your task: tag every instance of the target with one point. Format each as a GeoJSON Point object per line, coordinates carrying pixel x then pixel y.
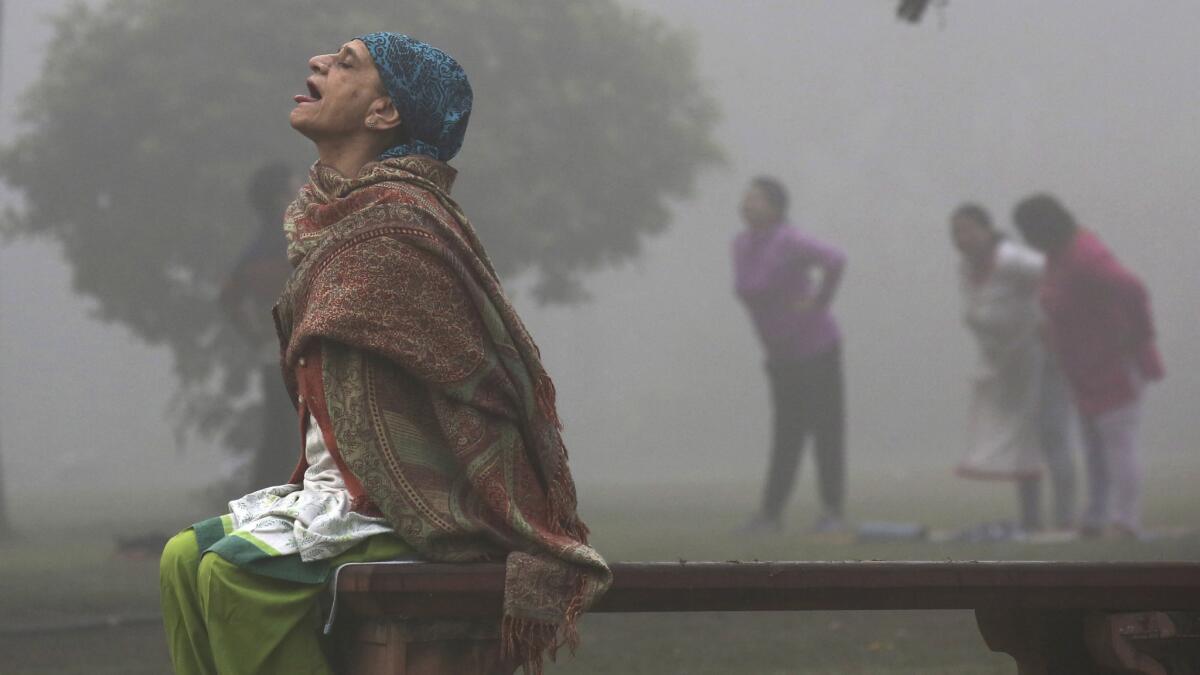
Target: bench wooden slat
{"type": "Point", "coordinates": [464, 590]}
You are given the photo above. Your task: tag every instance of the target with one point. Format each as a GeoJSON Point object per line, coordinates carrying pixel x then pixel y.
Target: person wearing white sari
{"type": "Point", "coordinates": [1019, 410]}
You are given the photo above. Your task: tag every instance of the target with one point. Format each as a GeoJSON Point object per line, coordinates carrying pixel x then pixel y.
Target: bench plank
{"type": "Point", "coordinates": [467, 590]}
{"type": "Point", "coordinates": [1051, 617]}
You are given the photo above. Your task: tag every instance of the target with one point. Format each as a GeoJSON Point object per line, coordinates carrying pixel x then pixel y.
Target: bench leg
{"type": "Point", "coordinates": [1110, 638]}
{"type": "Point", "coordinates": [380, 648]}
{"type": "Point", "coordinates": [374, 647]}
{"type": "Point", "coordinates": [1041, 642]}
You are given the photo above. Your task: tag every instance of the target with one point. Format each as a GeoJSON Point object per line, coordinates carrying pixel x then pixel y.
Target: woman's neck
{"type": "Point", "coordinates": [765, 225]}
{"type": "Point", "coordinates": [987, 255]}
{"type": "Point", "coordinates": [348, 156]}
{"type": "Point", "coordinates": [981, 265]}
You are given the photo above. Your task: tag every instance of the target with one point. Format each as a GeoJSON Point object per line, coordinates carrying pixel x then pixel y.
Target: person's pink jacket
{"type": "Point", "coordinates": [1099, 325]}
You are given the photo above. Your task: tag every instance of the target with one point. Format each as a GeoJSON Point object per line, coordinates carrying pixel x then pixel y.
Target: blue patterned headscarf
{"type": "Point", "coordinates": [429, 89]}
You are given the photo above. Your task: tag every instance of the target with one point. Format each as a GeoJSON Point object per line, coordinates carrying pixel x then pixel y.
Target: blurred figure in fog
{"type": "Point", "coordinates": [247, 297]}
{"type": "Point", "coordinates": [1020, 409]}
{"type": "Point", "coordinates": [1100, 327]}
{"type": "Point", "coordinates": [774, 269]}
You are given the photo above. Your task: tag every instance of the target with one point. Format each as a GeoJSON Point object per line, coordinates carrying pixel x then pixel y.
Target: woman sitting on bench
{"type": "Point", "coordinates": [428, 421]}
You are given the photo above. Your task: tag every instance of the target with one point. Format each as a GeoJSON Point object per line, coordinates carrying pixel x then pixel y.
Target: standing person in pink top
{"type": "Point", "coordinates": [774, 268]}
{"type": "Point", "coordinates": [1100, 326]}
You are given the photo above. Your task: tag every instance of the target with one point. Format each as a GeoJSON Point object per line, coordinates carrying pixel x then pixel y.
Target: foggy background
{"type": "Point", "coordinates": [878, 128]}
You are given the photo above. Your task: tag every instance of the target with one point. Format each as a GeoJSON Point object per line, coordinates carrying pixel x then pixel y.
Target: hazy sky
{"type": "Point", "coordinates": [879, 129]}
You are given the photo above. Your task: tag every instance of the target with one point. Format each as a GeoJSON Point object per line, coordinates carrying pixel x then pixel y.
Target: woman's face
{"type": "Point", "coordinates": [972, 238]}
{"type": "Point", "coordinates": [757, 209]}
{"type": "Point", "coordinates": [341, 89]}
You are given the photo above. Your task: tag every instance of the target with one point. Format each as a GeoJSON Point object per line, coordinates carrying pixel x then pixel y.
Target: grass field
{"type": "Point", "coordinates": [66, 573]}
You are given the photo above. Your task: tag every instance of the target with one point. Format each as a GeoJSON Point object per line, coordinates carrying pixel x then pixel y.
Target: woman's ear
{"type": "Point", "coordinates": [382, 114]}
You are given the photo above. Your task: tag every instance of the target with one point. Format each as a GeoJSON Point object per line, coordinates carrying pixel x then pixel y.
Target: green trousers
{"type": "Point", "coordinates": [223, 619]}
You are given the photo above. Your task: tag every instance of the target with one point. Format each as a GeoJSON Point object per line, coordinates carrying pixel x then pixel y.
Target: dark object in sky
{"type": "Point", "coordinates": [912, 10]}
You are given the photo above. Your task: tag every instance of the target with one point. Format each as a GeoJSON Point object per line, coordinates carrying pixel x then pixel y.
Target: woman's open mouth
{"type": "Point", "coordinates": [313, 95]}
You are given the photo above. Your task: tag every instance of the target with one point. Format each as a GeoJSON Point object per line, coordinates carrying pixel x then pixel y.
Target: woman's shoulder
{"type": "Point", "coordinates": [1014, 256]}
{"type": "Point", "coordinates": [809, 245]}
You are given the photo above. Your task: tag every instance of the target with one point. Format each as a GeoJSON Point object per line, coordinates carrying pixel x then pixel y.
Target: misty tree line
{"type": "Point", "coordinates": [151, 115]}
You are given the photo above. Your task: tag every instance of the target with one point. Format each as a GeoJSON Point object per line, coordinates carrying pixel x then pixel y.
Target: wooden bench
{"type": "Point", "coordinates": [1059, 618]}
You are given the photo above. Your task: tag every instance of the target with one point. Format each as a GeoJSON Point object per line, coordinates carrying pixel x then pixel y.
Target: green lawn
{"type": "Point", "coordinates": [67, 573]}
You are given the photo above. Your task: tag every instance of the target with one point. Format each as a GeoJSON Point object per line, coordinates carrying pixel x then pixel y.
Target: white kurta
{"type": "Point", "coordinates": [313, 519]}
{"type": "Point", "coordinates": [1002, 313]}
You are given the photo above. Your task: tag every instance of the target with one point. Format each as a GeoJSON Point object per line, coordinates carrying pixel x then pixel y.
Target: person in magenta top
{"type": "Point", "coordinates": [1099, 324]}
{"type": "Point", "coordinates": [774, 268]}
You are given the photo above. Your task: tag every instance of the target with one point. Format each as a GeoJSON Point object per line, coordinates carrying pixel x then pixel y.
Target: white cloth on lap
{"type": "Point", "coordinates": [313, 519]}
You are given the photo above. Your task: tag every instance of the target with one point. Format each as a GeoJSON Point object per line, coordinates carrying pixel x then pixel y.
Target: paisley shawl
{"type": "Point", "coordinates": [438, 399]}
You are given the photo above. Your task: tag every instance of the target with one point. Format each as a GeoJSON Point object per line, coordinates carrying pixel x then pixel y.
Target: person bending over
{"type": "Point", "coordinates": [1020, 409]}
{"type": "Point", "coordinates": [1100, 327]}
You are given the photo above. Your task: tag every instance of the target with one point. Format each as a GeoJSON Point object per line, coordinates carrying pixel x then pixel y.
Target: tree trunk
{"type": "Point", "coordinates": [5, 525]}
{"type": "Point", "coordinates": [279, 444]}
